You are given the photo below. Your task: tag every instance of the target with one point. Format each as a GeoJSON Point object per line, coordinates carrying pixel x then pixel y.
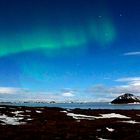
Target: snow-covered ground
{"type": "Point", "coordinates": [130, 121]}
{"type": "Point", "coordinates": [102, 116]}
{"type": "Point", "coordinates": [101, 138]}
{"type": "Point", "coordinates": [2, 107]}
{"type": "Point", "coordinates": [18, 113]}
{"type": "Point", "coordinates": [110, 129]}
{"type": "Point", "coordinates": [79, 116]}
{"type": "Point", "coordinates": [38, 111]}
{"type": "Point", "coordinates": [11, 120]}
{"type": "Point", "coordinates": [112, 115]}
{"type": "Point", "coordinates": [28, 111]}
{"type": "Point", "coordinates": [17, 118]}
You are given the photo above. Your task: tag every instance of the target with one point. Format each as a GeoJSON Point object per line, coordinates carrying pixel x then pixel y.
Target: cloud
{"type": "Point", "coordinates": [43, 96]}
{"type": "Point", "coordinates": [98, 89]}
{"type": "Point", "coordinates": [13, 93]}
{"type": "Point", "coordinates": [68, 92]}
{"type": "Point", "coordinates": [115, 89]}
{"type": "Point", "coordinates": [10, 90]}
{"type": "Point", "coordinates": [132, 53]}
{"type": "Point", "coordinates": [134, 81]}
{"type": "Point", "coordinates": [128, 79]}
{"type": "Point", "coordinates": [130, 85]}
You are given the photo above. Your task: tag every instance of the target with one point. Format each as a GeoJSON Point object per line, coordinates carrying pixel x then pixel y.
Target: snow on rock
{"type": "Point", "coordinates": [135, 103]}
{"type": "Point", "coordinates": [17, 113]}
{"type": "Point", "coordinates": [11, 120]}
{"type": "Point", "coordinates": [79, 116]}
{"type": "Point", "coordinates": [131, 121]}
{"type": "Point", "coordinates": [29, 119]}
{"type": "Point", "coordinates": [110, 129]}
{"type": "Point", "coordinates": [88, 117]}
{"type": "Point", "coordinates": [2, 107]}
{"type": "Point", "coordinates": [126, 98]}
{"type": "Point", "coordinates": [38, 111]}
{"type": "Point", "coordinates": [28, 111]}
{"type": "Point", "coordinates": [112, 115]}
{"type": "Point", "coordinates": [64, 111]}
{"type": "Point", "coordinates": [28, 115]}
{"type": "Point", "coordinates": [102, 138]}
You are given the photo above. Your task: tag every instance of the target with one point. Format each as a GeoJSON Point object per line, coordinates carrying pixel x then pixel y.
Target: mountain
{"type": "Point", "coordinates": [126, 98]}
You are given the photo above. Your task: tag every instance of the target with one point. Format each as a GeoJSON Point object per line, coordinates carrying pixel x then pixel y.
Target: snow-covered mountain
{"type": "Point", "coordinates": [126, 98]}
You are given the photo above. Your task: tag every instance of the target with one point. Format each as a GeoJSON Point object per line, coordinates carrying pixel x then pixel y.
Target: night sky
{"type": "Point", "coordinates": [79, 50]}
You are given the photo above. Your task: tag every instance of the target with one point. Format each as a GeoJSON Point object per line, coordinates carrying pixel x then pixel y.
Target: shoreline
{"type": "Point", "coordinates": [52, 123]}
{"type": "Point", "coordinates": [94, 105]}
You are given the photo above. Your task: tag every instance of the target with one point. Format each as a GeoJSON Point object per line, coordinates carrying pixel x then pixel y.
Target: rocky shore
{"type": "Point", "coordinates": [43, 123]}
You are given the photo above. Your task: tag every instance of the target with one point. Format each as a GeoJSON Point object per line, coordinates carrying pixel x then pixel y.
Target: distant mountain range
{"type": "Point", "coordinates": [126, 98]}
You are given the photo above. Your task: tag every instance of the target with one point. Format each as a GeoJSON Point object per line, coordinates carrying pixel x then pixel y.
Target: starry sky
{"type": "Point", "coordinates": [80, 50]}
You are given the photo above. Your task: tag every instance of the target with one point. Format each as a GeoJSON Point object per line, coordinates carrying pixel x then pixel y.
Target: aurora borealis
{"type": "Point", "coordinates": [32, 25]}
{"type": "Point", "coordinates": [49, 47]}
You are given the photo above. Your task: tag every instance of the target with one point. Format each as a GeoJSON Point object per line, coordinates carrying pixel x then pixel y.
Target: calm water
{"type": "Point", "coordinates": [99, 105]}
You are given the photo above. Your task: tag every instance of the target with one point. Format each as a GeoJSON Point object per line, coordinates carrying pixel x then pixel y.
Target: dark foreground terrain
{"type": "Point", "coordinates": [28, 123]}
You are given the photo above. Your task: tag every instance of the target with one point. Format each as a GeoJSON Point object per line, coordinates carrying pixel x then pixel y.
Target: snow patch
{"type": "Point", "coordinates": [110, 129]}
{"type": "Point", "coordinates": [131, 121]}
{"type": "Point", "coordinates": [134, 103]}
{"type": "Point", "coordinates": [28, 111]}
{"type": "Point", "coordinates": [37, 111]}
{"type": "Point", "coordinates": [28, 115]}
{"type": "Point", "coordinates": [29, 119]}
{"type": "Point", "coordinates": [17, 113]}
{"type": "Point", "coordinates": [79, 116]}
{"type": "Point", "coordinates": [64, 111]}
{"type": "Point", "coordinates": [11, 120]}
{"type": "Point", "coordinates": [112, 115]}
{"type": "Point", "coordinates": [102, 139]}
{"type": "Point", "coordinates": [2, 107]}
{"type": "Point", "coordinates": [88, 117]}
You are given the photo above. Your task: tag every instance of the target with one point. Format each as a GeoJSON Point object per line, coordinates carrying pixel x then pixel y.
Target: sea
{"type": "Point", "coordinates": [93, 105]}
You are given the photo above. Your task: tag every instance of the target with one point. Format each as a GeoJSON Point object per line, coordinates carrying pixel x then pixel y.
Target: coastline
{"type": "Point", "coordinates": [83, 105]}
{"type": "Point", "coordinates": [51, 123]}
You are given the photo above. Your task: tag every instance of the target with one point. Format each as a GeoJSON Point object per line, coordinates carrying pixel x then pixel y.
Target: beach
{"type": "Point", "coordinates": [51, 123]}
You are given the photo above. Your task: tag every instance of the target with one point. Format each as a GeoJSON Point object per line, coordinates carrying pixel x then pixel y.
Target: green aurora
{"type": "Point", "coordinates": [64, 29]}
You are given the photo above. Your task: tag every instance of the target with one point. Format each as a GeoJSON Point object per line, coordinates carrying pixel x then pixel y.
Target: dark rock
{"type": "Point", "coordinates": [53, 124]}
{"type": "Point", "coordinates": [126, 98]}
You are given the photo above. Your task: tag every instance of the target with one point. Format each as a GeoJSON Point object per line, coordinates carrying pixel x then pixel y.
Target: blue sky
{"type": "Point", "coordinates": [69, 50]}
